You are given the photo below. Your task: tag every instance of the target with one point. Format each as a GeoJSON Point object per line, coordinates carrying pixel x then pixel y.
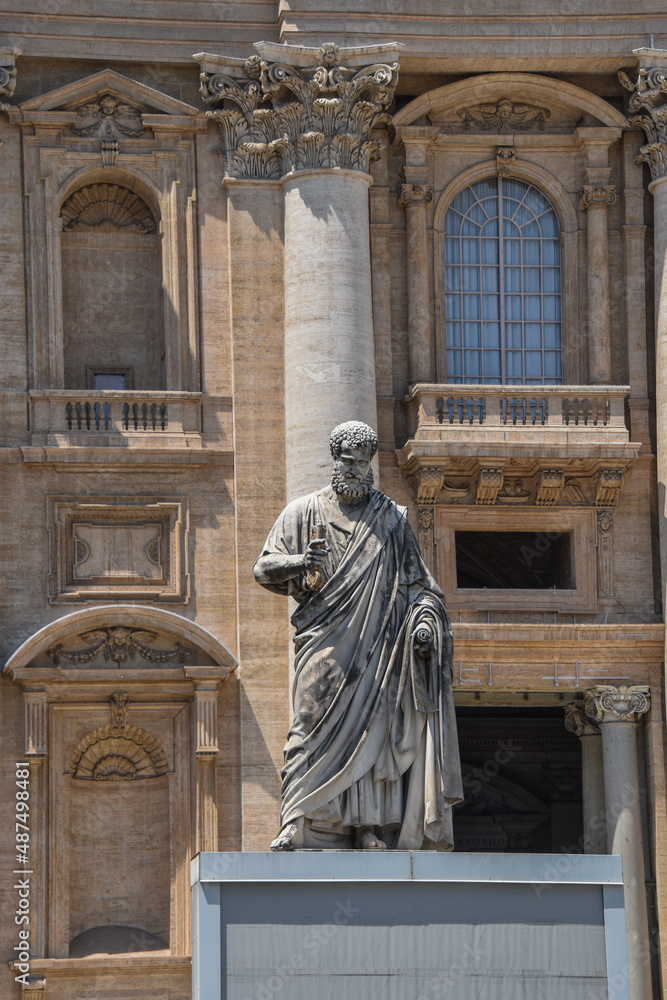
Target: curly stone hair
{"type": "Point", "coordinates": [356, 434]}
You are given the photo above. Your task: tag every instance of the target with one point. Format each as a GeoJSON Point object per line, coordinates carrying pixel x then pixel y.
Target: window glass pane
{"type": "Point", "coordinates": [487, 188]}
{"type": "Point", "coordinates": [490, 206]}
{"type": "Point", "coordinates": [512, 307]}
{"type": "Point", "coordinates": [513, 334]}
{"type": "Point", "coordinates": [512, 251]}
{"type": "Point", "coordinates": [533, 362]}
{"type": "Point", "coordinates": [473, 364]}
{"type": "Point", "coordinates": [491, 306]}
{"type": "Point", "coordinates": [490, 279]}
{"type": "Point", "coordinates": [531, 252]}
{"type": "Point", "coordinates": [491, 363]}
{"type": "Point", "coordinates": [552, 363]}
{"type": "Point", "coordinates": [469, 228]}
{"type": "Point", "coordinates": [470, 251]}
{"type": "Point", "coordinates": [472, 334]}
{"type": "Point", "coordinates": [452, 279]}
{"type": "Point", "coordinates": [464, 200]}
{"type": "Point", "coordinates": [477, 214]}
{"type": "Point", "coordinates": [490, 251]}
{"type": "Point", "coordinates": [512, 279]}
{"type": "Point", "coordinates": [536, 201]}
{"type": "Point", "coordinates": [491, 334]}
{"type": "Point", "coordinates": [552, 335]}
{"type": "Point", "coordinates": [510, 230]}
{"type": "Point", "coordinates": [533, 335]}
{"type": "Point", "coordinates": [549, 224]}
{"type": "Point", "coordinates": [513, 364]}
{"type": "Point", "coordinates": [453, 306]}
{"type": "Point", "coordinates": [551, 279]}
{"type": "Point", "coordinates": [470, 279]}
{"type": "Point", "coordinates": [453, 334]}
{"type": "Point", "coordinates": [522, 216]}
{"type": "Point", "coordinates": [452, 251]}
{"type": "Point", "coordinates": [109, 380]}
{"type": "Point", "coordinates": [531, 229]}
{"type": "Point", "coordinates": [531, 279]}
{"type": "Point", "coordinates": [471, 307]}
{"type": "Point", "coordinates": [550, 252]}
{"type": "Point", "coordinates": [490, 228]}
{"type": "Point", "coordinates": [552, 307]}
{"type": "Point", "coordinates": [453, 364]}
{"type": "Point", "coordinates": [532, 307]}
{"type": "Point", "coordinates": [514, 189]}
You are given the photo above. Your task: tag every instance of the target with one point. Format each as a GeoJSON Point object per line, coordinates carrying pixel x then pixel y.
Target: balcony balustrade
{"type": "Point", "coordinates": [106, 418]}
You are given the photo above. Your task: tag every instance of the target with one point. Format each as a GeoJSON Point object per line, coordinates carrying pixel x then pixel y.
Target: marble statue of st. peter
{"type": "Point", "coordinates": [371, 759]}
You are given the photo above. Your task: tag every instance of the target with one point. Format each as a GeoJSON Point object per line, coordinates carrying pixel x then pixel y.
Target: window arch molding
{"type": "Point", "coordinates": [562, 203]}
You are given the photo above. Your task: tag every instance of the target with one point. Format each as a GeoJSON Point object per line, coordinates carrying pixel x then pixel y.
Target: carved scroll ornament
{"type": "Point", "coordinates": [283, 118]}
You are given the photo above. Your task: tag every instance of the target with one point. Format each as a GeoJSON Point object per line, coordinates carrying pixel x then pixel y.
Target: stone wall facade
{"type": "Point", "coordinates": [226, 228]}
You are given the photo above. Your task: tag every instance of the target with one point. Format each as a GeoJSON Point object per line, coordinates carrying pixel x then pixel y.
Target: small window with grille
{"type": "Point", "coordinates": [109, 378]}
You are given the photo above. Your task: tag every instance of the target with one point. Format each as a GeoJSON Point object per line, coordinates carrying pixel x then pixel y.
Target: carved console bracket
{"type": "Point", "coordinates": [295, 107]}
{"type": "Point", "coordinates": [34, 988]}
{"type": "Point", "coordinates": [549, 487]}
{"type": "Point", "coordinates": [505, 157]}
{"type": "Point", "coordinates": [608, 489]}
{"type": "Point", "coordinates": [7, 75]}
{"type": "Point", "coordinates": [489, 484]}
{"type": "Point", "coordinates": [607, 703]}
{"type": "Point", "coordinates": [647, 108]}
{"type": "Point", "coordinates": [428, 483]}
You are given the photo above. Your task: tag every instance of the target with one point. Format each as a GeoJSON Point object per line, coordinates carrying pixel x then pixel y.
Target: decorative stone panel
{"type": "Point", "coordinates": [113, 548]}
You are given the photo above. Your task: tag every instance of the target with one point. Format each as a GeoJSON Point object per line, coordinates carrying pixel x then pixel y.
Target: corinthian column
{"type": "Point", "coordinates": [616, 711]}
{"type": "Point", "coordinates": [648, 109]}
{"type": "Point", "coordinates": [594, 201]}
{"type": "Point", "coordinates": [415, 198]}
{"type": "Point", "coordinates": [305, 115]}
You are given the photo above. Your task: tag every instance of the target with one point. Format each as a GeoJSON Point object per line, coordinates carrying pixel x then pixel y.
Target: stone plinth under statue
{"type": "Point", "coordinates": [407, 925]}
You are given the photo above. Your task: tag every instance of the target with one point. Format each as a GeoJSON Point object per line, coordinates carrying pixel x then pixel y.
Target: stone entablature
{"type": "Point", "coordinates": [291, 108]}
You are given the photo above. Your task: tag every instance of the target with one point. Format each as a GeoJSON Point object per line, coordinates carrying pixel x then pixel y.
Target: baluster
{"type": "Point", "coordinates": [503, 409]}
{"type": "Point", "coordinates": [473, 410]}
{"type": "Point", "coordinates": [532, 410]}
{"type": "Point", "coordinates": [164, 416]}
{"type": "Point", "coordinates": [135, 415]}
{"type": "Point", "coordinates": [459, 404]}
{"type": "Point", "coordinates": [607, 410]}
{"type": "Point", "coordinates": [513, 409]}
{"type": "Point", "coordinates": [68, 416]}
{"type": "Point", "coordinates": [96, 415]}
{"type": "Point", "coordinates": [126, 416]}
{"type": "Point", "coordinates": [107, 416]}
{"type": "Point", "coordinates": [522, 404]}
{"type": "Point", "coordinates": [86, 412]}
{"type": "Point", "coordinates": [481, 408]}
{"type": "Point", "coordinates": [78, 411]}
{"type": "Point", "coordinates": [144, 417]}
{"type": "Point", "coordinates": [543, 411]}
{"type": "Point", "coordinates": [440, 410]}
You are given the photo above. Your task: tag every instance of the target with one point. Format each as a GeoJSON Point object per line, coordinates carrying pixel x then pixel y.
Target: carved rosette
{"type": "Point", "coordinates": [607, 703]}
{"type": "Point", "coordinates": [416, 195]}
{"type": "Point", "coordinates": [277, 118]}
{"type": "Point", "coordinates": [597, 196]}
{"type": "Point", "coordinates": [577, 722]}
{"type": "Point", "coordinates": [648, 108]}
{"type": "Point", "coordinates": [7, 76]}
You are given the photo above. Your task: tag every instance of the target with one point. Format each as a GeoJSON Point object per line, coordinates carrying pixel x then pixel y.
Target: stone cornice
{"type": "Point", "coordinates": [290, 108]}
{"type": "Point", "coordinates": [607, 703]}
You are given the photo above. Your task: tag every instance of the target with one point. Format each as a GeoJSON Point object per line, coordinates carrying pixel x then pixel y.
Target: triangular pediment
{"type": "Point", "coordinates": [145, 99]}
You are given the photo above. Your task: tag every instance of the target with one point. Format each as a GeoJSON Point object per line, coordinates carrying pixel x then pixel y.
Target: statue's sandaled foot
{"type": "Point", "coordinates": [285, 839]}
{"type": "Point", "coordinates": [366, 840]}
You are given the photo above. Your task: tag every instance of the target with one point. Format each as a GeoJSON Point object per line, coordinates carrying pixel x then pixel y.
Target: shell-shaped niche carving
{"type": "Point", "coordinates": [106, 207]}
{"type": "Point", "coordinates": [109, 755]}
{"type": "Point", "coordinates": [114, 768]}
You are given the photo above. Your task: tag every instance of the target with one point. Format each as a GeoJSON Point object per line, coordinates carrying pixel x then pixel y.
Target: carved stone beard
{"type": "Point", "coordinates": [348, 492]}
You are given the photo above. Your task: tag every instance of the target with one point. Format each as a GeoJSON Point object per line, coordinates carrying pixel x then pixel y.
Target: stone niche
{"type": "Point", "coordinates": [118, 547]}
{"type": "Point", "coordinates": [111, 289]}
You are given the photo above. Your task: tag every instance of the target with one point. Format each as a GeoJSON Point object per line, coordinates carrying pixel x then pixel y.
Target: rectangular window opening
{"type": "Point", "coordinates": [515, 560]}
{"type": "Point", "coordinates": [115, 379]}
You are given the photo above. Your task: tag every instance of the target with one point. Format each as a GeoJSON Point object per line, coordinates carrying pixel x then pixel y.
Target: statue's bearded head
{"type": "Point", "coordinates": [352, 446]}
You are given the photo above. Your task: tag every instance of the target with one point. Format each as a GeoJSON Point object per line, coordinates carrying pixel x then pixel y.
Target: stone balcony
{"type": "Point", "coordinates": [455, 431]}
{"type": "Point", "coordinates": [86, 425]}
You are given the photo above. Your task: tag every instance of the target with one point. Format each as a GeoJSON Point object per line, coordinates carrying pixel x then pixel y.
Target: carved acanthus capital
{"type": "Point", "coordinates": [607, 703]}
{"type": "Point", "coordinates": [597, 196]}
{"type": "Point", "coordinates": [298, 108]}
{"type": "Point", "coordinates": [648, 108]}
{"type": "Point", "coordinates": [577, 722]}
{"type": "Point", "coordinates": [7, 75]}
{"type": "Point", "coordinates": [416, 195]}
{"type": "Point", "coordinates": [505, 157]}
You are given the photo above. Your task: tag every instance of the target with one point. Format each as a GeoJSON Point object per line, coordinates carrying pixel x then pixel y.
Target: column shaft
{"type": "Point", "coordinates": [592, 774]}
{"type": "Point", "coordinates": [599, 345]}
{"type": "Point", "coordinates": [329, 348]}
{"type": "Point", "coordinates": [658, 188]}
{"type": "Point", "coordinates": [419, 313]}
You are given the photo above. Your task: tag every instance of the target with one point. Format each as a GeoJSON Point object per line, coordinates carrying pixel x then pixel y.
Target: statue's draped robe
{"type": "Point", "coordinates": [373, 741]}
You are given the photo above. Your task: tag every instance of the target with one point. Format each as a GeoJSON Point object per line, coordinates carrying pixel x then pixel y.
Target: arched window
{"type": "Point", "coordinates": [502, 286]}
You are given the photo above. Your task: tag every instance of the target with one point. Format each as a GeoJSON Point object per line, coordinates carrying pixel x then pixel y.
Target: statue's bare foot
{"type": "Point", "coordinates": [285, 839]}
{"type": "Point", "coordinates": [366, 840]}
